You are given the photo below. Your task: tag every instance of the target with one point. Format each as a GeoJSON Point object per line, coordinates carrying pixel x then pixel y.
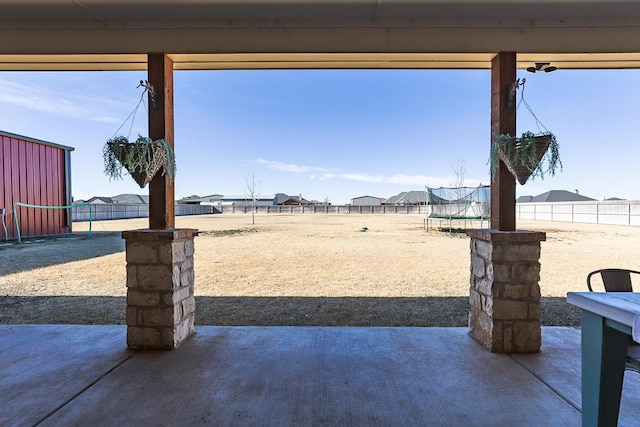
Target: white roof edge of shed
{"type": "Point", "coordinates": [38, 141]}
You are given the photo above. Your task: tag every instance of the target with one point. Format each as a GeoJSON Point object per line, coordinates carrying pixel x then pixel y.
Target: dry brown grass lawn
{"type": "Point", "coordinates": [299, 269]}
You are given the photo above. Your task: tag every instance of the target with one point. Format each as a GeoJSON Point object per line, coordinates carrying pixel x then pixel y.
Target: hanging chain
{"type": "Point", "coordinates": [132, 116]}
{"type": "Point", "coordinates": [517, 85]}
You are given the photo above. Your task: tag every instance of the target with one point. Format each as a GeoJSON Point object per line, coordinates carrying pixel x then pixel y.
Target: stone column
{"type": "Point", "coordinates": [160, 281]}
{"type": "Point", "coordinates": [504, 295]}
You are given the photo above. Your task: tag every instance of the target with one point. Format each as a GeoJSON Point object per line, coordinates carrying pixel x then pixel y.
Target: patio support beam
{"type": "Point", "coordinates": [503, 120]}
{"type": "Point", "coordinates": [504, 292]}
{"type": "Point", "coordinates": [161, 188]}
{"type": "Point", "coordinates": [160, 283]}
{"type": "Point", "coordinates": [160, 274]}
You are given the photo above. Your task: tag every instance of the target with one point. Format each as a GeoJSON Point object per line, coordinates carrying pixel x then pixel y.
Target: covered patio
{"type": "Point", "coordinates": [61, 375]}
{"type": "Point", "coordinates": [161, 37]}
{"type": "Point", "coordinates": [285, 376]}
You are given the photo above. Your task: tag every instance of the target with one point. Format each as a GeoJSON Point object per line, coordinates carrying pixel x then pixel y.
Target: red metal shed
{"type": "Point", "coordinates": [36, 173]}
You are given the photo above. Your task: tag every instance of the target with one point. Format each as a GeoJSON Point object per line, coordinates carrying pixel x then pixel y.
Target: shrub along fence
{"type": "Point", "coordinates": [612, 212]}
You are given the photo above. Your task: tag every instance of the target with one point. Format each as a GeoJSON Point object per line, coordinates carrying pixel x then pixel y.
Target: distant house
{"type": "Point", "coordinates": [100, 200]}
{"type": "Point", "coordinates": [222, 200]}
{"type": "Point", "coordinates": [239, 200]}
{"type": "Point", "coordinates": [555, 196]}
{"type": "Point", "coordinates": [366, 201]}
{"type": "Point", "coordinates": [291, 201]}
{"type": "Point", "coordinates": [242, 200]}
{"type": "Point", "coordinates": [524, 199]}
{"type": "Point", "coordinates": [212, 199]}
{"type": "Point", "coordinates": [408, 198]}
{"type": "Point", "coordinates": [130, 199]}
{"type": "Point", "coordinates": [283, 199]}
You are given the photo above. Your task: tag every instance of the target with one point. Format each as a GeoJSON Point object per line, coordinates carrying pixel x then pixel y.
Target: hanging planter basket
{"type": "Point", "coordinates": [531, 155]}
{"type": "Point", "coordinates": [143, 158]}
{"type": "Point", "coordinates": [528, 156]}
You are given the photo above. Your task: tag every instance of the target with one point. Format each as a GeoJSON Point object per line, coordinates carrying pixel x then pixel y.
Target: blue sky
{"type": "Point", "coordinates": [335, 134]}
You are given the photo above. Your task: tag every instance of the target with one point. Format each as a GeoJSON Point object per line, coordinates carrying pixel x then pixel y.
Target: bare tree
{"type": "Point", "coordinates": [459, 170]}
{"type": "Point", "coordinates": [252, 190]}
{"type": "Point", "coordinates": [459, 174]}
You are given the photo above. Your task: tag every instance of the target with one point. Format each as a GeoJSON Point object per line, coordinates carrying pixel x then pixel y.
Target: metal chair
{"type": "Point", "coordinates": [619, 280]}
{"type": "Point", "coordinates": [614, 279]}
{"type": "Point", "coordinates": [633, 358]}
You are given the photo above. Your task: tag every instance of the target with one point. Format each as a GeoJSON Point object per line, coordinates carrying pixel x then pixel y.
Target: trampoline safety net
{"type": "Point", "coordinates": [459, 203]}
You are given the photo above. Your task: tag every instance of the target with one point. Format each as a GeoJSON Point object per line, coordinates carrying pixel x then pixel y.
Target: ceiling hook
{"type": "Point", "coordinates": [148, 87]}
{"type": "Point", "coordinates": [511, 95]}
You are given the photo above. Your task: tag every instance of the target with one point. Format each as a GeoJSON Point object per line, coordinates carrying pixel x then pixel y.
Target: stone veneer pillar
{"type": "Point", "coordinates": [504, 299]}
{"type": "Point", "coordinates": [160, 281]}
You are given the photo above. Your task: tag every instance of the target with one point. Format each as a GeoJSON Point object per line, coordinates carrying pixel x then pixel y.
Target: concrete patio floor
{"type": "Point", "coordinates": [77, 375]}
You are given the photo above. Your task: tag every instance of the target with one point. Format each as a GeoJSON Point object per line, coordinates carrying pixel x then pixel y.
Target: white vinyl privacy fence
{"type": "Point", "coordinates": [618, 212]}
{"type": "Point", "coordinates": [107, 211]}
{"type": "Point", "coordinates": [327, 209]}
{"type": "Point", "coordinates": [624, 212]}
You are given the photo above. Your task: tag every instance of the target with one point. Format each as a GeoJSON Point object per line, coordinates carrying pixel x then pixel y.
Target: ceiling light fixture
{"type": "Point", "coordinates": [542, 66]}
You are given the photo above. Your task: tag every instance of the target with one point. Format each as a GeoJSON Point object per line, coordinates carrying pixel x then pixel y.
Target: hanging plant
{"type": "Point", "coordinates": [526, 157]}
{"type": "Point", "coordinates": [531, 155]}
{"type": "Point", "coordinates": [142, 158]}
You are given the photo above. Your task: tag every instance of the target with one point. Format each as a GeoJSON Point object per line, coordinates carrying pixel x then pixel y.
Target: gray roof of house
{"type": "Point", "coordinates": [121, 198]}
{"type": "Point", "coordinates": [407, 198]}
{"type": "Point", "coordinates": [560, 196]}
{"type": "Point", "coordinates": [268, 199]}
{"type": "Point", "coordinates": [366, 197]}
{"type": "Point", "coordinates": [196, 197]}
{"type": "Point", "coordinates": [524, 199]}
{"type": "Point", "coordinates": [280, 198]}
{"type": "Point", "coordinates": [103, 199]}
{"type": "Point", "coordinates": [131, 198]}
{"type": "Point", "coordinates": [222, 198]}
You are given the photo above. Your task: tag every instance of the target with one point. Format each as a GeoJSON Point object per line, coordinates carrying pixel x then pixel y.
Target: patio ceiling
{"type": "Point", "coordinates": [272, 34]}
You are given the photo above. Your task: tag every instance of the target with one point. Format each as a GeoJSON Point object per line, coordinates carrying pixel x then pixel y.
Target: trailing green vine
{"type": "Point", "coordinates": [523, 152]}
{"type": "Point", "coordinates": [142, 156]}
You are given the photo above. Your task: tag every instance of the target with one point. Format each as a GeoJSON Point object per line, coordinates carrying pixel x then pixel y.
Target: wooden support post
{"type": "Point", "coordinates": [503, 120]}
{"type": "Point", "coordinates": [161, 189]}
